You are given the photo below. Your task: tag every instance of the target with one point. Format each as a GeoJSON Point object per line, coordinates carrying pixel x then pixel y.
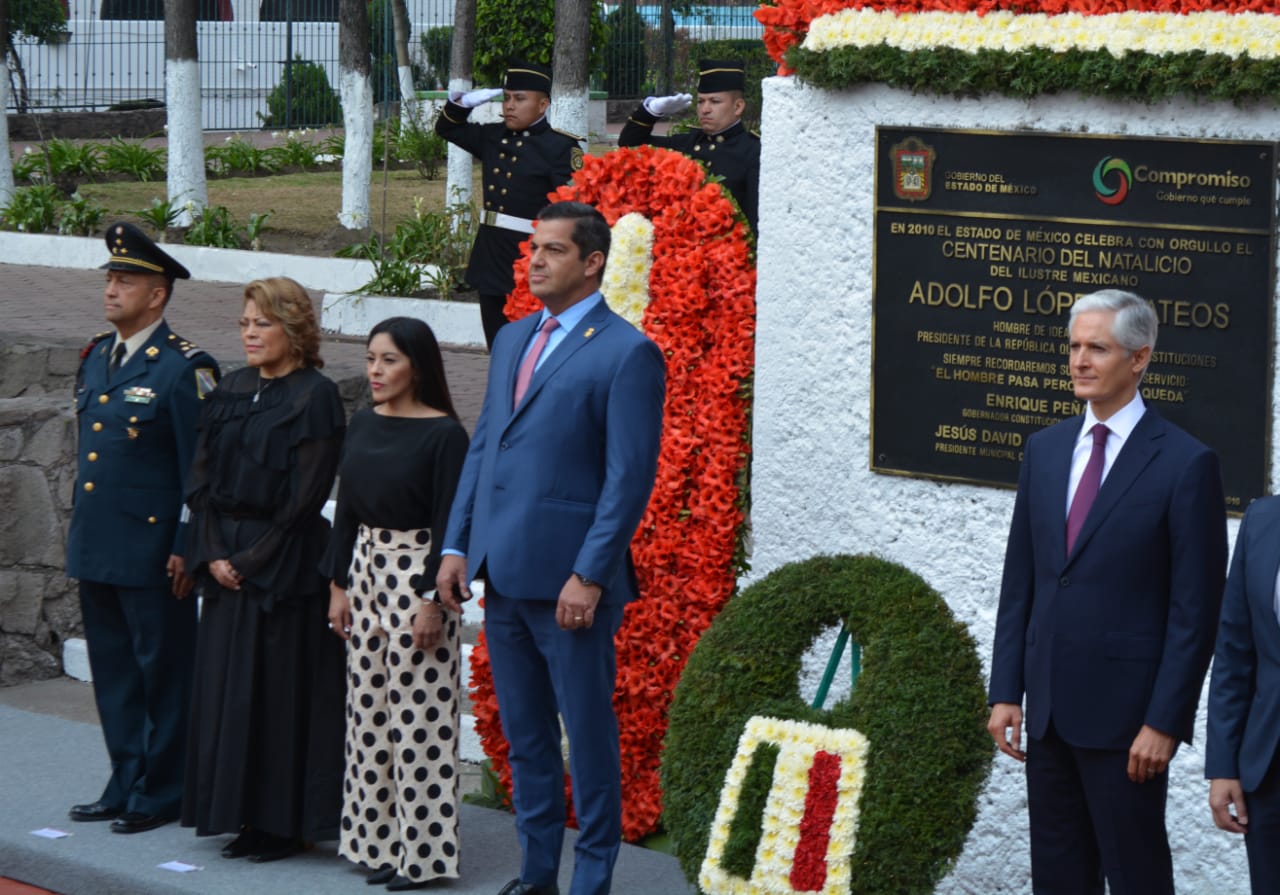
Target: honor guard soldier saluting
{"type": "Point", "coordinates": [138, 394]}
{"type": "Point", "coordinates": [722, 142]}
{"type": "Point", "coordinates": [523, 159]}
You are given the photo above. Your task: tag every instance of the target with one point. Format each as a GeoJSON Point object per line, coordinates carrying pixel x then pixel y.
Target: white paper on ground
{"type": "Point", "coordinates": [179, 866]}
{"type": "Point", "coordinates": [49, 833]}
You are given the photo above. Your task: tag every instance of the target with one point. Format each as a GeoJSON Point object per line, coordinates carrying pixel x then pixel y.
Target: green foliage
{"type": "Point", "coordinates": [32, 209]}
{"type": "Point", "coordinates": [625, 63]}
{"type": "Point", "coordinates": [235, 156]}
{"type": "Point", "coordinates": [437, 50]}
{"type": "Point", "coordinates": [919, 701]}
{"type": "Point", "coordinates": [253, 230]}
{"type": "Point", "coordinates": [212, 226]}
{"type": "Point", "coordinates": [28, 167]}
{"type": "Point", "coordinates": [294, 152]}
{"type": "Point", "coordinates": [63, 158]}
{"type": "Point", "coordinates": [744, 831]}
{"type": "Point", "coordinates": [80, 216]}
{"type": "Point", "coordinates": [303, 98]}
{"type": "Point", "coordinates": [439, 240]}
{"type": "Point", "coordinates": [132, 158]}
{"type": "Point", "coordinates": [419, 143]}
{"type": "Point", "coordinates": [40, 20]}
{"type": "Point", "coordinates": [1137, 76]}
{"type": "Point", "coordinates": [491, 794]}
{"type": "Point", "coordinates": [161, 215]}
{"type": "Point", "coordinates": [524, 30]}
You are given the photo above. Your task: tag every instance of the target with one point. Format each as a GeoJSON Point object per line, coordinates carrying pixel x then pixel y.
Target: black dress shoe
{"type": "Point", "coordinates": [404, 884]}
{"type": "Point", "coordinates": [515, 887]}
{"type": "Point", "coordinates": [98, 810]}
{"type": "Point", "coordinates": [243, 845]}
{"type": "Point", "coordinates": [381, 876]}
{"type": "Point", "coordinates": [275, 848]}
{"type": "Point", "coordinates": [137, 822]}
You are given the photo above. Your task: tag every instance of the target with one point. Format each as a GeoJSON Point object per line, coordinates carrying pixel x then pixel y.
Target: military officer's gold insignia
{"type": "Point", "coordinates": [575, 159]}
{"type": "Point", "coordinates": [131, 432]}
{"type": "Point", "coordinates": [152, 351]}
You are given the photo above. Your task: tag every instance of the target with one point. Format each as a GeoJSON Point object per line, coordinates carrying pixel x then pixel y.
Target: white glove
{"type": "Point", "coordinates": [473, 98]}
{"type": "Point", "coordinates": [663, 106]}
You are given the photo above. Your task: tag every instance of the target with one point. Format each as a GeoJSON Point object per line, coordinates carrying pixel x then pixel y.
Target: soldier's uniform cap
{"type": "Point", "coordinates": [527, 76]}
{"type": "Point", "coordinates": [131, 249]}
{"type": "Point", "coordinates": [719, 75]}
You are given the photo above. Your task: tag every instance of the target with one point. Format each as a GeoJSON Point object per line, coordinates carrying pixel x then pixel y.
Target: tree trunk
{"type": "Point", "coordinates": [6, 162]}
{"type": "Point", "coordinates": [668, 40]}
{"type": "Point", "coordinates": [356, 89]}
{"type": "Point", "coordinates": [458, 182]}
{"type": "Point", "coordinates": [186, 181]}
{"type": "Point", "coordinates": [571, 100]}
{"type": "Point", "coordinates": [404, 68]}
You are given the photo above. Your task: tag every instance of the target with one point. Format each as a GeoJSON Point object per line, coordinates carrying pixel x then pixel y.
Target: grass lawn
{"type": "Point", "coordinates": [304, 206]}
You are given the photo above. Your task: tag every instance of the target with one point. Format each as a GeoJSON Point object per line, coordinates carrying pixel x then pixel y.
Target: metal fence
{"type": "Point", "coordinates": [273, 63]}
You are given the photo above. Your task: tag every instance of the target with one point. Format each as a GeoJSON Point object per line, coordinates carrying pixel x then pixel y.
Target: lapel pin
{"type": "Point", "coordinates": [591, 331]}
{"type": "Point", "coordinates": [152, 351]}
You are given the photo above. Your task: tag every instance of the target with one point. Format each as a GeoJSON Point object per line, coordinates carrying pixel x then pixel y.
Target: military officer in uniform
{"type": "Point", "coordinates": [722, 142]}
{"type": "Point", "coordinates": [138, 394]}
{"type": "Point", "coordinates": [523, 159]}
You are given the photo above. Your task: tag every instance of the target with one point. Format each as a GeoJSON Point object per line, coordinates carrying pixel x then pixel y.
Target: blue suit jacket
{"type": "Point", "coordinates": [137, 435]}
{"type": "Point", "coordinates": [1244, 691]}
{"type": "Point", "coordinates": [558, 484]}
{"type": "Point", "coordinates": [1119, 633]}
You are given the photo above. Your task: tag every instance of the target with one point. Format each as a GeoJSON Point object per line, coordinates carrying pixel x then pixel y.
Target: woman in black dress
{"type": "Point", "coordinates": [400, 466]}
{"type": "Point", "coordinates": [264, 758]}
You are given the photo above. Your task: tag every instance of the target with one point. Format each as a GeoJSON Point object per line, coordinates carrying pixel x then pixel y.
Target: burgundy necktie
{"type": "Point", "coordinates": [1087, 490]}
{"type": "Point", "coordinates": [531, 360]}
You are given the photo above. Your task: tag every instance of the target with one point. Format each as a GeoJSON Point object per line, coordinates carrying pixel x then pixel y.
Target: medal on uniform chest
{"type": "Point", "coordinates": [139, 394]}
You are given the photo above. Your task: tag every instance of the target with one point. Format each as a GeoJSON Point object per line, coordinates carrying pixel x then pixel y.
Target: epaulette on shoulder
{"type": "Point", "coordinates": [84, 352]}
{"type": "Point", "coordinates": [577, 138]}
{"type": "Point", "coordinates": [188, 349]}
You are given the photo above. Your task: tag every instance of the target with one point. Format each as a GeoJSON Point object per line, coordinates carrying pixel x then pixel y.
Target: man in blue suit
{"type": "Point", "coordinates": [559, 472]}
{"type": "Point", "coordinates": [1112, 582]}
{"type": "Point", "coordinates": [1244, 698]}
{"type": "Point", "coordinates": [138, 394]}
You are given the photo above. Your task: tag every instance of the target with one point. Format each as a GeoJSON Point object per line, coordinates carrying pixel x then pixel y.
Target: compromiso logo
{"type": "Point", "coordinates": [1114, 170]}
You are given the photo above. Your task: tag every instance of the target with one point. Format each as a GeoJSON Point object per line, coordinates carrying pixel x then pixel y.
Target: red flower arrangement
{"type": "Point", "coordinates": [787, 21]}
{"type": "Point", "coordinates": [702, 315]}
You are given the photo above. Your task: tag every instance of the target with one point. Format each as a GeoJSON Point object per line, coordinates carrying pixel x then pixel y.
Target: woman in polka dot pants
{"type": "Point", "coordinates": [399, 469]}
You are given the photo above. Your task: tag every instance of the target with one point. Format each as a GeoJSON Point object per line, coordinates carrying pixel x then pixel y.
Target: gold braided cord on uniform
{"type": "Point", "coordinates": [529, 71]}
{"type": "Point", "coordinates": [137, 262]}
{"type": "Point", "coordinates": [713, 71]}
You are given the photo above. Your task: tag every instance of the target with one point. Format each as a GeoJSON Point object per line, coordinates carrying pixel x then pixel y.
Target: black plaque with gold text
{"type": "Point", "coordinates": [983, 241]}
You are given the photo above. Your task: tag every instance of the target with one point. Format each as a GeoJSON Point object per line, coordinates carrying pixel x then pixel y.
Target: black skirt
{"type": "Point", "coordinates": [266, 735]}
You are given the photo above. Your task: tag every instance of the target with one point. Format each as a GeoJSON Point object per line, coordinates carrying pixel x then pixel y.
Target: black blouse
{"type": "Point", "coordinates": [264, 467]}
{"type": "Point", "coordinates": [398, 473]}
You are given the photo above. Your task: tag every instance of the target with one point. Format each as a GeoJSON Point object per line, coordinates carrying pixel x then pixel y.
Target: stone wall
{"type": "Point", "coordinates": [134, 124]}
{"type": "Point", "coordinates": [38, 604]}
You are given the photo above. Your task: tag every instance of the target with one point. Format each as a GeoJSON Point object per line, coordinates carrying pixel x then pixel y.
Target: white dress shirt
{"type": "Point", "coordinates": [1120, 426]}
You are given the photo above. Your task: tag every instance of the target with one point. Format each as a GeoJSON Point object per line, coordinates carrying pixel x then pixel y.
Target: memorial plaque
{"type": "Point", "coordinates": [984, 240]}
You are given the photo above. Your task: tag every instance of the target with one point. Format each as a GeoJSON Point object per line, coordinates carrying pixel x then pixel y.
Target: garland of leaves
{"type": "Point", "coordinates": [1200, 65]}
{"type": "Point", "coordinates": [919, 701]}
{"type": "Point", "coordinates": [687, 550]}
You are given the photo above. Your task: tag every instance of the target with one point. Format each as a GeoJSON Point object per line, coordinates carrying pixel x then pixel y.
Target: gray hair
{"type": "Point", "coordinates": [1136, 323]}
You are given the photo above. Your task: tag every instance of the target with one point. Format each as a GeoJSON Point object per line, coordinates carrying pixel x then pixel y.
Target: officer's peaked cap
{"type": "Point", "coordinates": [131, 249]}
{"type": "Point", "coordinates": [719, 75]}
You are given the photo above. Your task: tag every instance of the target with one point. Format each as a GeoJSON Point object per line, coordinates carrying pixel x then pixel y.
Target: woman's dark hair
{"type": "Point", "coordinates": [415, 340]}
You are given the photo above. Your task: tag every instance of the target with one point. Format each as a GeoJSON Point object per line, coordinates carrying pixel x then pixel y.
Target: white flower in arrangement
{"type": "Point", "coordinates": [625, 283]}
{"type": "Point", "coordinates": [778, 850]}
{"type": "Point", "coordinates": [1256, 35]}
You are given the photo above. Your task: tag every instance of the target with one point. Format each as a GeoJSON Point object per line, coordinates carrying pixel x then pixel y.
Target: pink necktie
{"type": "Point", "coordinates": [1087, 490]}
{"type": "Point", "coordinates": [531, 360]}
